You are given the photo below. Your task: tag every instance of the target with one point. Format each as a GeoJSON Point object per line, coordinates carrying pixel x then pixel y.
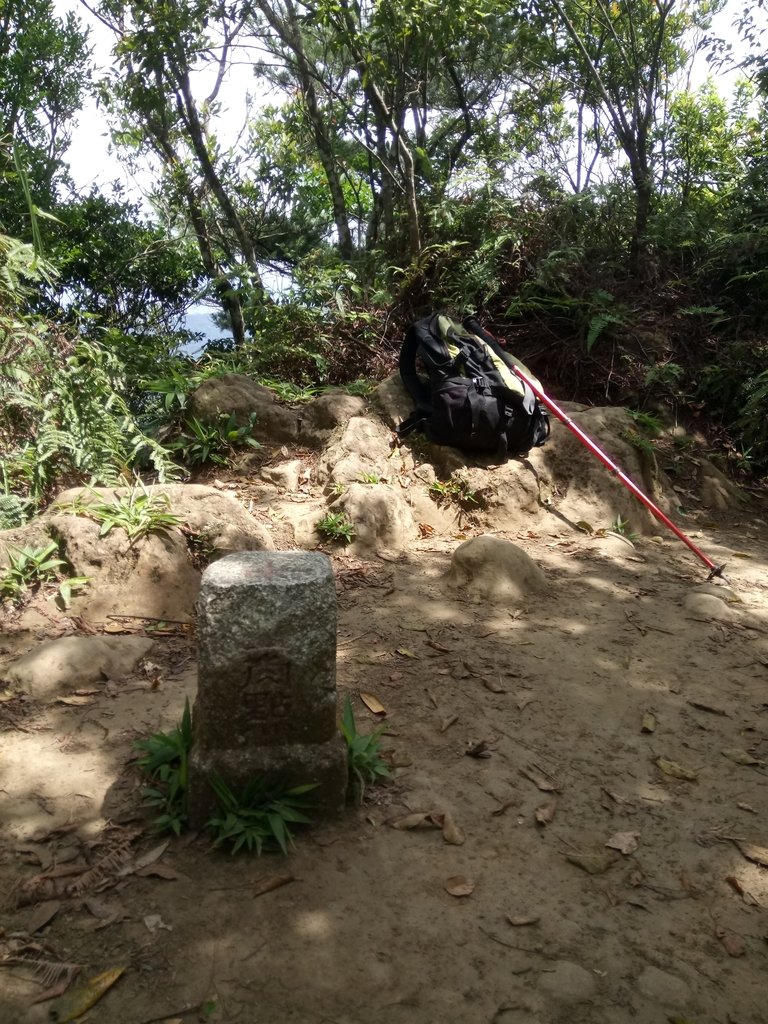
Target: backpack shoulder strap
{"type": "Point", "coordinates": [529, 401]}
{"type": "Point", "coordinates": [419, 391]}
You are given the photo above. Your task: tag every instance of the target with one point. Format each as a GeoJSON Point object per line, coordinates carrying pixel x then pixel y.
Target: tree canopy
{"type": "Point", "coordinates": [548, 164]}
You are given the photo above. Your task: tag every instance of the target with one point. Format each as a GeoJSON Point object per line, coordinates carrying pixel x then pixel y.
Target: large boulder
{"type": "Point", "coordinates": [580, 487]}
{"type": "Point", "coordinates": [71, 662]}
{"type": "Point", "coordinates": [152, 577]}
{"type": "Point", "coordinates": [493, 570]}
{"type": "Point", "coordinates": [216, 517]}
{"type": "Point", "coordinates": [363, 447]}
{"type": "Point", "coordinates": [382, 519]}
{"type": "Point", "coordinates": [238, 394]}
{"type": "Point", "coordinates": [716, 490]}
{"type": "Point", "coordinates": [392, 401]}
{"type": "Point", "coordinates": [319, 418]}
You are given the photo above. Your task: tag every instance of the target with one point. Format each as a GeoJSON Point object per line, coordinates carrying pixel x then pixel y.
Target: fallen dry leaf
{"type": "Point", "coordinates": [82, 998]}
{"type": "Point", "coordinates": [513, 801]}
{"type": "Point", "coordinates": [747, 896]}
{"type": "Point", "coordinates": [98, 908]}
{"type": "Point", "coordinates": [624, 842]}
{"type": "Point", "coordinates": [265, 885]}
{"type": "Point", "coordinates": [144, 860]}
{"type": "Point", "coordinates": [675, 770]}
{"type": "Point", "coordinates": [373, 704]}
{"type": "Point", "coordinates": [746, 807]}
{"type": "Point", "coordinates": [478, 750]}
{"type": "Point", "coordinates": [546, 812]}
{"type": "Point", "coordinates": [700, 706]}
{"type": "Point", "coordinates": [158, 871]}
{"type": "Point", "coordinates": [493, 685]}
{"type": "Point", "coordinates": [543, 780]}
{"type": "Point", "coordinates": [739, 756]}
{"type": "Point", "coordinates": [452, 834]}
{"type": "Point", "coordinates": [448, 722]}
{"type": "Point", "coordinates": [58, 989]}
{"type": "Point", "coordinates": [417, 819]}
{"type": "Point", "coordinates": [42, 915]}
{"type": "Point", "coordinates": [74, 700]}
{"type": "Point", "coordinates": [522, 922]}
{"type": "Point", "coordinates": [649, 722]}
{"type": "Point", "coordinates": [458, 885]}
{"type": "Point", "coordinates": [406, 652]}
{"type": "Point", "coordinates": [592, 863]}
{"type": "Point", "coordinates": [154, 922]}
{"type": "Point", "coordinates": [757, 854]}
{"type": "Point", "coordinates": [732, 943]}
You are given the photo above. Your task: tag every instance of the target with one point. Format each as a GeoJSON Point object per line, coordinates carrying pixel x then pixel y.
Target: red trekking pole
{"type": "Point", "coordinates": [714, 570]}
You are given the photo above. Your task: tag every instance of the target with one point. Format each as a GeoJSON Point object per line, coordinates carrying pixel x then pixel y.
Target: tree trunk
{"type": "Point", "coordinates": [289, 31]}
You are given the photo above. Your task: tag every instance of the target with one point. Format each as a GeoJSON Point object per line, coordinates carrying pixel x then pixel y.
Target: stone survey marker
{"type": "Point", "coordinates": [266, 699]}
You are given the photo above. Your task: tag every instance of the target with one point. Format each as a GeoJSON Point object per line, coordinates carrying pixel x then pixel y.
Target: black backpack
{"type": "Point", "coordinates": [473, 400]}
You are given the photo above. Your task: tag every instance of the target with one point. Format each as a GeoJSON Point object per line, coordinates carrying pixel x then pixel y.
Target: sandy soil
{"type": "Point", "coordinates": [555, 926]}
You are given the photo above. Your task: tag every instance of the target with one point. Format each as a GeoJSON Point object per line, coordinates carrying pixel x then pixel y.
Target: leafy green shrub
{"type": "Point", "coordinates": [63, 414]}
{"type": "Point", "coordinates": [14, 511]}
{"type": "Point", "coordinates": [336, 526]}
{"type": "Point", "coordinates": [199, 443]}
{"type": "Point", "coordinates": [165, 760]}
{"type": "Point", "coordinates": [366, 766]}
{"type": "Point", "coordinates": [139, 513]}
{"type": "Point", "coordinates": [29, 568]}
{"type": "Point", "coordinates": [734, 388]}
{"type": "Point", "coordinates": [454, 490]}
{"type": "Point", "coordinates": [647, 421]}
{"type": "Point", "coordinates": [261, 816]}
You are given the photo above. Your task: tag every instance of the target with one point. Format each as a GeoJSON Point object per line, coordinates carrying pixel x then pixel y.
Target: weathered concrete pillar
{"type": "Point", "coordinates": [266, 699]}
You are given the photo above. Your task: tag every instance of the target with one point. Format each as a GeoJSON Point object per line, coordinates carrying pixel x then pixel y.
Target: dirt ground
{"type": "Point", "coordinates": [610, 858]}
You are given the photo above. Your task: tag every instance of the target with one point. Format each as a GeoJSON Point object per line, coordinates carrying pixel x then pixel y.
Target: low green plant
{"type": "Point", "coordinates": [261, 816]}
{"type": "Point", "coordinates": [338, 489]}
{"type": "Point", "coordinates": [360, 388]}
{"type": "Point", "coordinates": [14, 511]}
{"type": "Point", "coordinates": [165, 760]}
{"type": "Point", "coordinates": [621, 526]}
{"type": "Point", "coordinates": [139, 513]}
{"type": "Point", "coordinates": [67, 588]}
{"type": "Point", "coordinates": [369, 478]}
{"type": "Point", "coordinates": [174, 387]}
{"type": "Point", "coordinates": [233, 436]}
{"type": "Point", "coordinates": [336, 526]}
{"type": "Point", "coordinates": [454, 490]}
{"type": "Point", "coordinates": [32, 567]}
{"type": "Point", "coordinates": [199, 442]}
{"type": "Point", "coordinates": [366, 765]}
{"type": "Point", "coordinates": [664, 377]}
{"type": "Point", "coordinates": [288, 392]}
{"type": "Point", "coordinates": [647, 421]}
{"type": "Point", "coordinates": [601, 311]}
{"type": "Point", "coordinates": [639, 441]}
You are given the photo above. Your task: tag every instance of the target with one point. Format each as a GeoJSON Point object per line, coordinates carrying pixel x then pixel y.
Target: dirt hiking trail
{"type": "Point", "coordinates": [577, 828]}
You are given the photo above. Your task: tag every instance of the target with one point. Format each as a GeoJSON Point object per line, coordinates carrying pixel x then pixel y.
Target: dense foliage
{"type": "Point", "coordinates": [546, 164]}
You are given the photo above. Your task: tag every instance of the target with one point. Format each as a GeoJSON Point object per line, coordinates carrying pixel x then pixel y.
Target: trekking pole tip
{"type": "Point", "coordinates": [716, 571]}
